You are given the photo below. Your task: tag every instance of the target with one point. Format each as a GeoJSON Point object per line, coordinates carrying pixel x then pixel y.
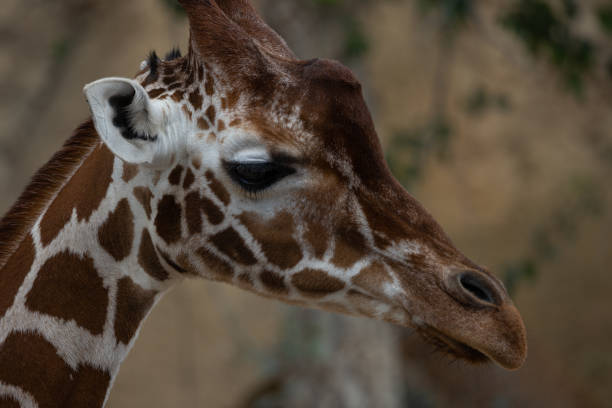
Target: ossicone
{"type": "Point", "coordinates": [231, 32]}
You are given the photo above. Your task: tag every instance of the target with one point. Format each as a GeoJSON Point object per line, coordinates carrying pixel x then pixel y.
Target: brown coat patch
{"type": "Point", "coordinates": [148, 259]}
{"type": "Point", "coordinates": [178, 96]}
{"type": "Point", "coordinates": [274, 282]}
{"type": "Point", "coordinates": [385, 230]}
{"type": "Point", "coordinates": [316, 283]}
{"type": "Point", "coordinates": [407, 220]}
{"type": "Point", "coordinates": [245, 280]}
{"type": "Point", "coordinates": [154, 93]}
{"type": "Point", "coordinates": [190, 79]}
{"type": "Point", "coordinates": [168, 219]}
{"type": "Point", "coordinates": [217, 188]}
{"type": "Point", "coordinates": [220, 125]}
{"type": "Point", "coordinates": [350, 248]}
{"type": "Point", "coordinates": [232, 98]}
{"type": "Point", "coordinates": [30, 362]}
{"type": "Point", "coordinates": [189, 179]}
{"type": "Point", "coordinates": [209, 87]}
{"type": "Point", "coordinates": [216, 265]}
{"type": "Point", "coordinates": [196, 162]}
{"type": "Point", "coordinates": [194, 206]}
{"type": "Point", "coordinates": [84, 192]}
{"type": "Point", "coordinates": [231, 244]}
{"type": "Point", "coordinates": [318, 238]}
{"type": "Point", "coordinates": [195, 98]}
{"type": "Point", "coordinates": [187, 111]}
{"type": "Point", "coordinates": [193, 213]}
{"type": "Point", "coordinates": [129, 171]}
{"type": "Point", "coordinates": [116, 235]}
{"type": "Point", "coordinates": [201, 73]}
{"type": "Point", "coordinates": [372, 277]}
{"type": "Point", "coordinates": [14, 272]}
{"type": "Point", "coordinates": [170, 79]}
{"type": "Point", "coordinates": [69, 287]}
{"type": "Point", "coordinates": [211, 114]}
{"type": "Point", "coordinates": [276, 238]}
{"type": "Point", "coordinates": [203, 124]}
{"type": "Point", "coordinates": [176, 175]}
{"type": "Point", "coordinates": [133, 303]}
{"type": "Point", "coordinates": [156, 177]}
{"type": "Point", "coordinates": [90, 388]}
{"type": "Point", "coordinates": [144, 196]}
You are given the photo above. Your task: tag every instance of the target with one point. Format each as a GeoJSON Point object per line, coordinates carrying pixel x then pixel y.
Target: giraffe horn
{"type": "Point", "coordinates": [243, 14]}
{"type": "Point", "coordinates": [220, 40]}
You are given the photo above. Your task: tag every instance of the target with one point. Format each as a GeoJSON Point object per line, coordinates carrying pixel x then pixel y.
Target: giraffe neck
{"type": "Point", "coordinates": [76, 288]}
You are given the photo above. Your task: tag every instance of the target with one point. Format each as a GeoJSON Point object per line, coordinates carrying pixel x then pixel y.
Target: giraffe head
{"type": "Point", "coordinates": [267, 173]}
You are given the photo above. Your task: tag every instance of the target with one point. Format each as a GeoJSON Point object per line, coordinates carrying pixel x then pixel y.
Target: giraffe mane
{"type": "Point", "coordinates": [174, 53]}
{"type": "Point", "coordinates": [42, 188]}
{"type": "Point", "coordinates": [153, 65]}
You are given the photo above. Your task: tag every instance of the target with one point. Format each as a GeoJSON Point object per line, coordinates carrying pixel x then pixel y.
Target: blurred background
{"type": "Point", "coordinates": [495, 115]}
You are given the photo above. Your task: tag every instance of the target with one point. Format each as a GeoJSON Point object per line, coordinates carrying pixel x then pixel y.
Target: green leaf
{"type": "Point", "coordinates": [524, 270]}
{"type": "Point", "coordinates": [544, 33]}
{"type": "Point", "coordinates": [604, 15]}
{"type": "Point", "coordinates": [355, 43]}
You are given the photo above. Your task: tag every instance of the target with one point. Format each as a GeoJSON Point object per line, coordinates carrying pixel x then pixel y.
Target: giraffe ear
{"type": "Point", "coordinates": [127, 120]}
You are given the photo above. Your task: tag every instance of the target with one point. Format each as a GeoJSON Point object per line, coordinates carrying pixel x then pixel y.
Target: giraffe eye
{"type": "Point", "coordinates": [257, 176]}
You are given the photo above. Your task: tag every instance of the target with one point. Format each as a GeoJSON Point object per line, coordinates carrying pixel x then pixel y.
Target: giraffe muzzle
{"type": "Point", "coordinates": [487, 324]}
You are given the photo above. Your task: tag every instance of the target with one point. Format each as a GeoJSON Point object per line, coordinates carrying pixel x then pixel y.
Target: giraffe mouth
{"type": "Point", "coordinates": [451, 346]}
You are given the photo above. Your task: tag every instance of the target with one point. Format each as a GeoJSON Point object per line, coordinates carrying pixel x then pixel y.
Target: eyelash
{"type": "Point", "coordinates": [256, 177]}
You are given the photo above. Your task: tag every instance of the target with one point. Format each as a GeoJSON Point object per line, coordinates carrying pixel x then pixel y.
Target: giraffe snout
{"type": "Point", "coordinates": [487, 322]}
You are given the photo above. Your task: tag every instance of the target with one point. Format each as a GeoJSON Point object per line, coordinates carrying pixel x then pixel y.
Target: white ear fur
{"type": "Point", "coordinates": [143, 142]}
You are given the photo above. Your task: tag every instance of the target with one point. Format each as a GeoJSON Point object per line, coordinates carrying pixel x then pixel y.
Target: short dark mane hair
{"type": "Point", "coordinates": [42, 188]}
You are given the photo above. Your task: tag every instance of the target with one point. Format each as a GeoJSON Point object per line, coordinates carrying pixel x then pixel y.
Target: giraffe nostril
{"type": "Point", "coordinates": [476, 288]}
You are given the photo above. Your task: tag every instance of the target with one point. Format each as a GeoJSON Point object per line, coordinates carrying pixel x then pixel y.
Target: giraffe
{"type": "Point", "coordinates": [236, 163]}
